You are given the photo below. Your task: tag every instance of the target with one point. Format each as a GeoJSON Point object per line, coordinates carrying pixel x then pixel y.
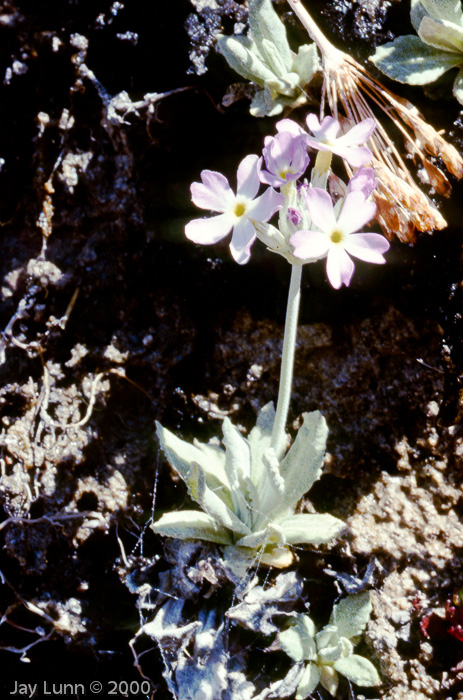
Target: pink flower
{"type": "Point", "coordinates": [236, 211]}
{"type": "Point", "coordinates": [335, 238]}
{"type": "Point", "coordinates": [285, 157]}
{"type": "Point", "coordinates": [325, 137]}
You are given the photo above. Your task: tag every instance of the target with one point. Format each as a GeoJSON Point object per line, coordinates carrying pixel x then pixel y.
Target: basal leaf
{"type": "Point", "coordinates": [308, 528]}
{"type": "Point", "coordinates": [298, 640]}
{"type": "Point", "coordinates": [329, 679]}
{"type": "Point", "coordinates": [417, 12]}
{"type": "Point", "coordinates": [303, 464]}
{"type": "Point", "coordinates": [259, 440]}
{"type": "Point", "coordinates": [309, 682]}
{"type": "Point", "coordinates": [351, 614]}
{"type": "Point", "coordinates": [266, 25]}
{"type": "Point", "coordinates": [306, 63]}
{"type": "Point", "coordinates": [191, 524]}
{"type": "Point", "coordinates": [408, 60]}
{"type": "Point", "coordinates": [442, 35]}
{"type": "Point", "coordinates": [240, 55]}
{"type": "Point", "coordinates": [449, 10]}
{"type": "Point", "coordinates": [359, 670]}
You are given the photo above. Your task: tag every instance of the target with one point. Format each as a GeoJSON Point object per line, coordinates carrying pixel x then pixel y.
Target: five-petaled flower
{"type": "Point", "coordinates": [285, 157]}
{"type": "Point", "coordinates": [325, 137]}
{"type": "Point", "coordinates": [334, 236]}
{"type": "Point", "coordinates": [236, 211]}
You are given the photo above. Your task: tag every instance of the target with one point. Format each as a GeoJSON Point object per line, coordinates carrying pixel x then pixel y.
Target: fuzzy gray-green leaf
{"type": "Point", "coordinates": [442, 35]}
{"type": "Point", "coordinates": [306, 63]}
{"type": "Point", "coordinates": [302, 465]}
{"type": "Point", "coordinates": [449, 10]}
{"type": "Point", "coordinates": [266, 25]}
{"type": "Point", "coordinates": [259, 440]}
{"type": "Point", "coordinates": [263, 104]}
{"type": "Point", "coordinates": [359, 670]}
{"type": "Point", "coordinates": [309, 682]}
{"type": "Point", "coordinates": [191, 524]}
{"type": "Point", "coordinates": [298, 640]}
{"type": "Point", "coordinates": [351, 614]}
{"type": "Point", "coordinates": [311, 528]}
{"type": "Point", "coordinates": [240, 55]}
{"type": "Point", "coordinates": [408, 60]}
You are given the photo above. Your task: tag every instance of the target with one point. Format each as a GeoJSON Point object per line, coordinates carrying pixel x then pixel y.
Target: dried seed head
{"type": "Point", "coordinates": [402, 206]}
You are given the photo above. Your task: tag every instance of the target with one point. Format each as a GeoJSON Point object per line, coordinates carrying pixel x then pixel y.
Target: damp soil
{"type": "Point", "coordinates": [112, 320]}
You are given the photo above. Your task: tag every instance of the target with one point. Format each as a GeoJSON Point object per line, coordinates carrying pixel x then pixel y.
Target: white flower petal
{"type": "Point", "coordinates": [356, 156]}
{"type": "Point", "coordinates": [264, 207]}
{"type": "Point", "coordinates": [356, 212]}
{"type": "Point", "coordinates": [368, 247]}
{"type": "Point", "coordinates": [291, 127]}
{"type": "Point", "coordinates": [310, 245]}
{"type": "Point", "coordinates": [248, 176]}
{"type": "Point", "coordinates": [327, 130]}
{"type": "Point", "coordinates": [214, 193]}
{"type": "Point", "coordinates": [208, 231]}
{"type": "Point", "coordinates": [339, 267]}
{"type": "Point", "coordinates": [243, 237]}
{"type": "Point", "coordinates": [320, 206]}
{"type": "Point", "coordinates": [359, 134]}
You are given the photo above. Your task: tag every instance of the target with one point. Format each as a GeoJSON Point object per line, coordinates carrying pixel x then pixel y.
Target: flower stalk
{"type": "Point", "coordinates": [287, 362]}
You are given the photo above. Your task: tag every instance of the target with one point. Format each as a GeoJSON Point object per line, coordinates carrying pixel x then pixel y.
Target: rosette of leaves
{"type": "Point", "coordinates": [422, 59]}
{"type": "Point", "coordinates": [265, 58]}
{"type": "Point", "coordinates": [331, 651]}
{"type": "Point", "coordinates": [248, 498]}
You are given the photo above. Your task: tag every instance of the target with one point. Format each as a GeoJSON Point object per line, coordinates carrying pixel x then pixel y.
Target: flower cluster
{"type": "Point", "coordinates": [311, 225]}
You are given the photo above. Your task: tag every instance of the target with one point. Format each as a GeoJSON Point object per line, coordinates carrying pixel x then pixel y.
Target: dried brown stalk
{"type": "Point", "coordinates": [403, 207]}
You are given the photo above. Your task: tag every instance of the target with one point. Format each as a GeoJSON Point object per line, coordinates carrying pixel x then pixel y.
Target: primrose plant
{"type": "Point", "coordinates": [330, 651]}
{"type": "Point", "coordinates": [249, 491]}
{"type": "Point", "coordinates": [422, 59]}
{"type": "Point", "coordinates": [265, 58]}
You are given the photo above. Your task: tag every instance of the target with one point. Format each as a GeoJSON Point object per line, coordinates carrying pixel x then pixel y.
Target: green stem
{"type": "Point", "coordinates": [287, 362]}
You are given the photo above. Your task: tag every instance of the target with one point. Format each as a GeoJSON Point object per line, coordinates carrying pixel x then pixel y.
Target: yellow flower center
{"type": "Point", "coordinates": [240, 208]}
{"type": "Point", "coordinates": [336, 236]}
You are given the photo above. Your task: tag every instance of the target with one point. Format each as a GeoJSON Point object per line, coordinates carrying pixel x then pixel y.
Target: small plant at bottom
{"type": "Point", "coordinates": [331, 651]}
